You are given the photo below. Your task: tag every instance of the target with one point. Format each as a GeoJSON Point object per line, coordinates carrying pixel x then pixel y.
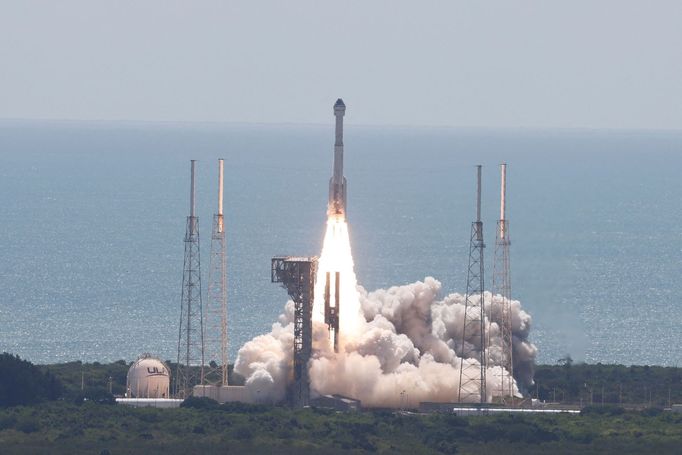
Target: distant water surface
{"type": "Point", "coordinates": [92, 219]}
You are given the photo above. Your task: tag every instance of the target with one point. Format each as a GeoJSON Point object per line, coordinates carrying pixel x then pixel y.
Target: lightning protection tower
{"type": "Point", "coordinates": [297, 275]}
{"type": "Point", "coordinates": [190, 369]}
{"type": "Point", "coordinates": [472, 380]}
{"type": "Point", "coordinates": [502, 287]}
{"type": "Point", "coordinates": [216, 306]}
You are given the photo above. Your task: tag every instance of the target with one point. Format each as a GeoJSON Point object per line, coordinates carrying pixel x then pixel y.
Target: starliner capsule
{"type": "Point", "coordinates": [337, 184]}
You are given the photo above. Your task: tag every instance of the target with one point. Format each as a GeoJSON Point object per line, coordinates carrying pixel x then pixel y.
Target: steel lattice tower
{"type": "Point", "coordinates": [216, 306]}
{"type": "Point", "coordinates": [472, 380]}
{"type": "Point", "coordinates": [502, 287]}
{"type": "Point", "coordinates": [190, 368]}
{"type": "Point", "coordinates": [297, 275]}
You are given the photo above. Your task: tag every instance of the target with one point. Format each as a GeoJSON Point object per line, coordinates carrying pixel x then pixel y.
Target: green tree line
{"type": "Point", "coordinates": [643, 386]}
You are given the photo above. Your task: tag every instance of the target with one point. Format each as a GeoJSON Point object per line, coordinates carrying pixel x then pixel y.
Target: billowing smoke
{"type": "Point", "coordinates": [407, 350]}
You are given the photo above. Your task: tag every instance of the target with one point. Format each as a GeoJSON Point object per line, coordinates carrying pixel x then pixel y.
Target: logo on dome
{"type": "Point", "coordinates": [154, 371]}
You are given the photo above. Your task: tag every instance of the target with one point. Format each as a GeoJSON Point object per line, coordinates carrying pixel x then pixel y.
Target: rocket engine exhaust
{"type": "Point", "coordinates": [331, 313]}
{"type": "Point", "coordinates": [337, 302]}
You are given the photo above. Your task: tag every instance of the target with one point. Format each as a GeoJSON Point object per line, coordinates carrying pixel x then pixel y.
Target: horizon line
{"type": "Point", "coordinates": [227, 123]}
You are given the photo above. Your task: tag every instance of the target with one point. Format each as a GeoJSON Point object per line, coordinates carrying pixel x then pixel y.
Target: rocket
{"type": "Point", "coordinates": [337, 184]}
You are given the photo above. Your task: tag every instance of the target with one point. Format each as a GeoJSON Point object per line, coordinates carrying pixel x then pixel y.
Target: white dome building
{"type": "Point", "coordinates": [148, 377]}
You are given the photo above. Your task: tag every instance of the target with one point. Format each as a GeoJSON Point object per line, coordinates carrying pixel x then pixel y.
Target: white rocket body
{"type": "Point", "coordinates": [337, 184]}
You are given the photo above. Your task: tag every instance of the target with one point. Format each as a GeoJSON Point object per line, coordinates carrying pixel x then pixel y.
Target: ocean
{"type": "Point", "coordinates": [92, 220]}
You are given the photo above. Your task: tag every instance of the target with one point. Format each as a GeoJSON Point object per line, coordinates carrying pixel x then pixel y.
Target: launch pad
{"type": "Point", "coordinates": [299, 275]}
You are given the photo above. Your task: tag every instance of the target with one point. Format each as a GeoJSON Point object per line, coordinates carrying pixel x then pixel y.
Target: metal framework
{"type": "Point", "coordinates": [297, 275]}
{"type": "Point", "coordinates": [216, 341]}
{"type": "Point", "coordinates": [191, 333]}
{"type": "Point", "coordinates": [502, 286]}
{"type": "Point", "coordinates": [472, 376]}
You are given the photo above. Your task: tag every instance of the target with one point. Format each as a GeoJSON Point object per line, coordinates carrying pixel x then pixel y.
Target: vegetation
{"type": "Point", "coordinates": [66, 408]}
{"type": "Point", "coordinates": [639, 386]}
{"type": "Point", "coordinates": [63, 427]}
{"type": "Point", "coordinates": [75, 376]}
{"type": "Point", "coordinates": [21, 382]}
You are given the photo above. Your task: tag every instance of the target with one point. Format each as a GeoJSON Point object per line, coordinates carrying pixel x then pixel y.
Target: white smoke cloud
{"type": "Point", "coordinates": [406, 351]}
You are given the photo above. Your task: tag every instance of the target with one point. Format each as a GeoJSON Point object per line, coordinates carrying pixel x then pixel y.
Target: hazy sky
{"type": "Point", "coordinates": [506, 63]}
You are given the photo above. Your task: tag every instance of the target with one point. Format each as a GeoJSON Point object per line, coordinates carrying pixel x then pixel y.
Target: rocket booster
{"type": "Point", "coordinates": [337, 184]}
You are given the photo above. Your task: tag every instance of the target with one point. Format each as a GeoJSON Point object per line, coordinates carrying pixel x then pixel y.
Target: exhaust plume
{"type": "Point", "coordinates": [405, 350]}
{"type": "Point", "coordinates": [390, 347]}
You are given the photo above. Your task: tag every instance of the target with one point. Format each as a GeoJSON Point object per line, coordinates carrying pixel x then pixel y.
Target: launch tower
{"type": "Point", "coordinates": [297, 275]}
{"type": "Point", "coordinates": [472, 380]}
{"type": "Point", "coordinates": [190, 369]}
{"type": "Point", "coordinates": [216, 306]}
{"type": "Point", "coordinates": [502, 286]}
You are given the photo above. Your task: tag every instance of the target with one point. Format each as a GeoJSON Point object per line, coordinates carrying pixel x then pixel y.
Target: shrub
{"type": "Point", "coordinates": [244, 408]}
{"type": "Point", "coordinates": [651, 412]}
{"type": "Point", "coordinates": [441, 439]}
{"type": "Point", "coordinates": [445, 446]}
{"type": "Point", "coordinates": [199, 403]}
{"type": "Point", "coordinates": [243, 432]}
{"type": "Point", "coordinates": [149, 415]}
{"type": "Point", "coordinates": [27, 425]}
{"type": "Point", "coordinates": [455, 421]}
{"type": "Point", "coordinates": [582, 436]}
{"type": "Point", "coordinates": [608, 410]}
{"type": "Point", "coordinates": [7, 422]}
{"type": "Point", "coordinates": [285, 433]}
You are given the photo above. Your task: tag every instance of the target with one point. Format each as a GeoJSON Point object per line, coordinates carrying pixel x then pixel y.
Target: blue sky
{"type": "Point", "coordinates": [594, 64]}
